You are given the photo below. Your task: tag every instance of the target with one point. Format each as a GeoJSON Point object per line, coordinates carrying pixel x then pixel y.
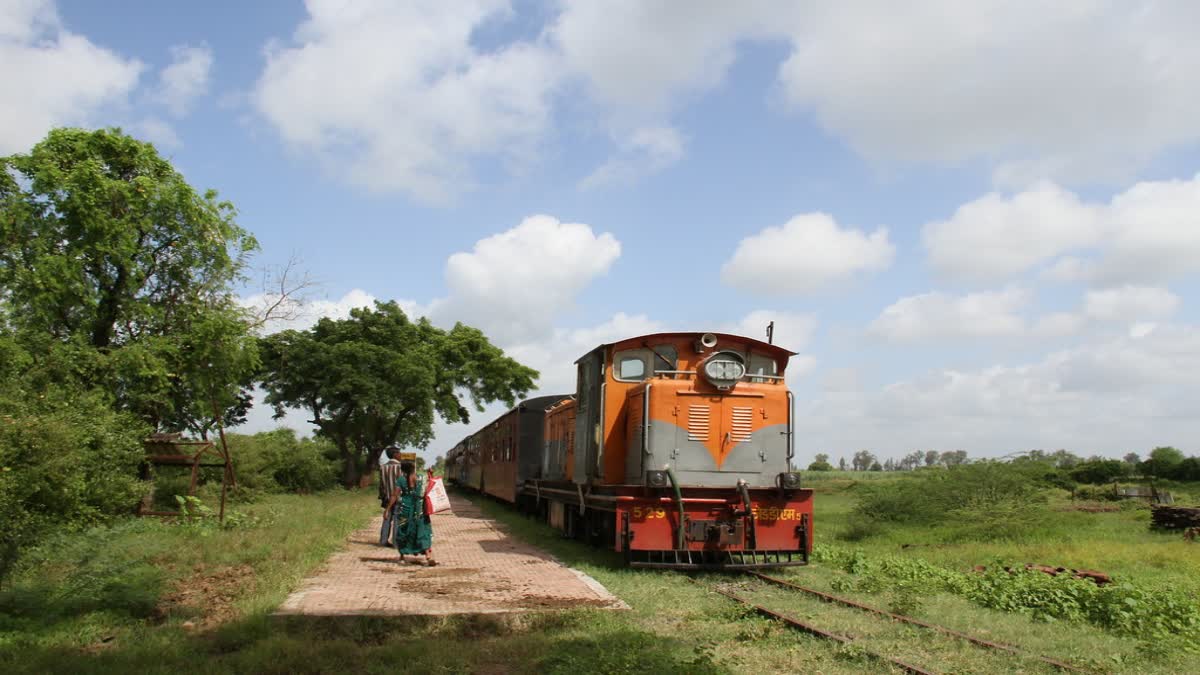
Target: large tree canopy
{"type": "Point", "coordinates": [106, 249]}
{"type": "Point", "coordinates": [378, 378]}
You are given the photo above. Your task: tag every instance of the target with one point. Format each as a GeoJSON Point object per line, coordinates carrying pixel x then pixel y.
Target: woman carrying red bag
{"type": "Point", "coordinates": [414, 532]}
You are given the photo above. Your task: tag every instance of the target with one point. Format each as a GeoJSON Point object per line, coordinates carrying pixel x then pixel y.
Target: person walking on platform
{"type": "Point", "coordinates": [413, 532]}
{"type": "Point", "coordinates": [389, 473]}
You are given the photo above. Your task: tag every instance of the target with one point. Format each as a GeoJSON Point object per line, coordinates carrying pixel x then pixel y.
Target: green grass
{"type": "Point", "coordinates": [125, 612]}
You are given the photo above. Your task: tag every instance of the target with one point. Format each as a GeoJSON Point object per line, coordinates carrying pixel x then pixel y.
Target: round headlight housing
{"type": "Point", "coordinates": [724, 369]}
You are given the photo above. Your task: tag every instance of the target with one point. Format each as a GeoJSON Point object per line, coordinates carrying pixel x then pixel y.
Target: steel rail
{"type": "Point", "coordinates": [917, 622]}
{"type": "Point", "coordinates": [819, 632]}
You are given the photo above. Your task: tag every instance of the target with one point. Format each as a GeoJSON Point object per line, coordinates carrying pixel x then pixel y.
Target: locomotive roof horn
{"type": "Point", "coordinates": [706, 341]}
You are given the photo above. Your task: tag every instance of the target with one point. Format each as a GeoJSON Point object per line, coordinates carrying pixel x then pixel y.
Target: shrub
{"type": "Point", "coordinates": [67, 460]}
{"type": "Point", "coordinates": [277, 461]}
{"type": "Point", "coordinates": [1149, 613]}
{"type": "Point", "coordinates": [965, 491]}
{"type": "Point", "coordinates": [1099, 471]}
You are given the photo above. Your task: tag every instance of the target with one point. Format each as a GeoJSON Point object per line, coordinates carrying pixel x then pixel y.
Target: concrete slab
{"type": "Point", "coordinates": [481, 570]}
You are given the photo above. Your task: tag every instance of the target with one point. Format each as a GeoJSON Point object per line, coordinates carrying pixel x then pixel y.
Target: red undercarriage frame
{"type": "Point", "coordinates": [718, 531]}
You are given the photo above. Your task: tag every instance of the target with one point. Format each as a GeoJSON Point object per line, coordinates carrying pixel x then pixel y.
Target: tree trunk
{"type": "Point", "coordinates": [373, 458]}
{"type": "Point", "coordinates": [350, 471]}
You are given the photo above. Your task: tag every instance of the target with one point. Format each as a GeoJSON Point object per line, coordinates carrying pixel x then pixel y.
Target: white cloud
{"type": "Point", "coordinates": [806, 253]}
{"type": "Point", "coordinates": [942, 315]}
{"type": "Point", "coordinates": [1112, 396]}
{"type": "Point", "coordinates": [1148, 233]}
{"type": "Point", "coordinates": [1130, 302]}
{"type": "Point", "coordinates": [185, 79]}
{"type": "Point", "coordinates": [646, 151]}
{"type": "Point", "coordinates": [928, 81]}
{"type": "Point", "coordinates": [637, 56]}
{"type": "Point", "coordinates": [513, 302]}
{"type": "Point", "coordinates": [51, 76]}
{"type": "Point", "coordinates": [158, 132]}
{"type": "Point", "coordinates": [938, 315]}
{"type": "Point", "coordinates": [397, 97]}
{"type": "Point", "coordinates": [995, 237]}
{"type": "Point", "coordinates": [947, 81]}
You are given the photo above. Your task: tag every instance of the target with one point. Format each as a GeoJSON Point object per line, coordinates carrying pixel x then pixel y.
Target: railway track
{"type": "Point", "coordinates": [771, 608]}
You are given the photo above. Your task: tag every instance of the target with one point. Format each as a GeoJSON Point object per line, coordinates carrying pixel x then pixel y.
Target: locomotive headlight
{"type": "Point", "coordinates": [789, 480]}
{"type": "Point", "coordinates": [724, 369]}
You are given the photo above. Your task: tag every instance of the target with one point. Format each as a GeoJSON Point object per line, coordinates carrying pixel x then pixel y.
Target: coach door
{"type": "Point", "coordinates": [589, 412]}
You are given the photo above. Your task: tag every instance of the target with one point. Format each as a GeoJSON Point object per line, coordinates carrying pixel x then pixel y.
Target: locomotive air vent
{"type": "Point", "coordinates": [697, 423]}
{"type": "Point", "coordinates": [741, 429]}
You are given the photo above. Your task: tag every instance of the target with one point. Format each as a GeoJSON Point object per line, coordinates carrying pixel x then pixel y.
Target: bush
{"type": "Point", "coordinates": [1149, 613]}
{"type": "Point", "coordinates": [67, 460]}
{"type": "Point", "coordinates": [1100, 471]}
{"type": "Point", "coordinates": [277, 461]}
{"type": "Point", "coordinates": [936, 497]}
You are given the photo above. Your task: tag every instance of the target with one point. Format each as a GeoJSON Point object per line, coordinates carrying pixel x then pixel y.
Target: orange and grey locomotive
{"type": "Point", "coordinates": [675, 450]}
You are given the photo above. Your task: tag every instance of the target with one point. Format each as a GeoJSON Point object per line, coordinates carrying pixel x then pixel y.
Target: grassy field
{"type": "Point", "coordinates": [112, 601]}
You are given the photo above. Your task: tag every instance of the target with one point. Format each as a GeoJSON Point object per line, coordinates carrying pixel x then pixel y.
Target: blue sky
{"type": "Point", "coordinates": [976, 222]}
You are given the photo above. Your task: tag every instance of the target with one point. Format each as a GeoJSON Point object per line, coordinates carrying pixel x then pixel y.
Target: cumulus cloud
{"type": "Point", "coordinates": [995, 237]}
{"type": "Point", "coordinates": [945, 81]}
{"type": "Point", "coordinates": [929, 81]}
{"type": "Point", "coordinates": [646, 151]}
{"type": "Point", "coordinates": [158, 132]}
{"type": "Point", "coordinates": [1130, 302]}
{"type": "Point", "coordinates": [942, 315]}
{"type": "Point", "coordinates": [1148, 233]}
{"type": "Point", "coordinates": [516, 301]}
{"type": "Point", "coordinates": [637, 56]}
{"type": "Point", "coordinates": [396, 96]}
{"type": "Point", "coordinates": [52, 76]}
{"type": "Point", "coordinates": [806, 253]}
{"type": "Point", "coordinates": [1112, 396]}
{"type": "Point", "coordinates": [938, 315]}
{"type": "Point", "coordinates": [185, 79]}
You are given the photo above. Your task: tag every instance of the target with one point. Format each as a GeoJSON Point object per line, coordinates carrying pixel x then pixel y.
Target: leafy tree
{"type": "Point", "coordinates": [1188, 469]}
{"type": "Point", "coordinates": [820, 463]}
{"type": "Point", "coordinates": [1132, 459]}
{"type": "Point", "coordinates": [876, 467]}
{"type": "Point", "coordinates": [889, 465]}
{"type": "Point", "coordinates": [1099, 471]}
{"type": "Point", "coordinates": [67, 459]}
{"type": "Point", "coordinates": [862, 460]}
{"type": "Point", "coordinates": [842, 464]}
{"type": "Point", "coordinates": [953, 457]}
{"type": "Point", "coordinates": [912, 460]}
{"type": "Point", "coordinates": [931, 457]}
{"type": "Point", "coordinates": [1162, 461]}
{"type": "Point", "coordinates": [377, 379]}
{"type": "Point", "coordinates": [106, 249]}
{"type": "Point", "coordinates": [1064, 459]}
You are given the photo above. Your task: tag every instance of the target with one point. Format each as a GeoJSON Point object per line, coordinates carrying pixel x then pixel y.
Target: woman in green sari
{"type": "Point", "coordinates": [414, 533]}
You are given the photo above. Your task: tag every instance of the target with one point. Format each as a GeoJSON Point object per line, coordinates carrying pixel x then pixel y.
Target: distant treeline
{"type": "Point", "coordinates": [1163, 462]}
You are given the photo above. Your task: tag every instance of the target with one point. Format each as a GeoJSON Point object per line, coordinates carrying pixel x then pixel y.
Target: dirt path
{"type": "Point", "coordinates": [481, 570]}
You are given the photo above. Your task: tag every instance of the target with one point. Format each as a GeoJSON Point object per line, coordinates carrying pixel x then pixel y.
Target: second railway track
{"type": "Point", "coordinates": [896, 641]}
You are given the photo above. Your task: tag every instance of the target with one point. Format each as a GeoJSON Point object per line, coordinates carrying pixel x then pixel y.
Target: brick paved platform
{"type": "Point", "coordinates": [480, 570]}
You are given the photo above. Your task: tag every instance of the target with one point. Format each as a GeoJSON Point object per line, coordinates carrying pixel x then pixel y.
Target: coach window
{"type": "Point", "coordinates": [762, 365]}
{"type": "Point", "coordinates": [630, 366]}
